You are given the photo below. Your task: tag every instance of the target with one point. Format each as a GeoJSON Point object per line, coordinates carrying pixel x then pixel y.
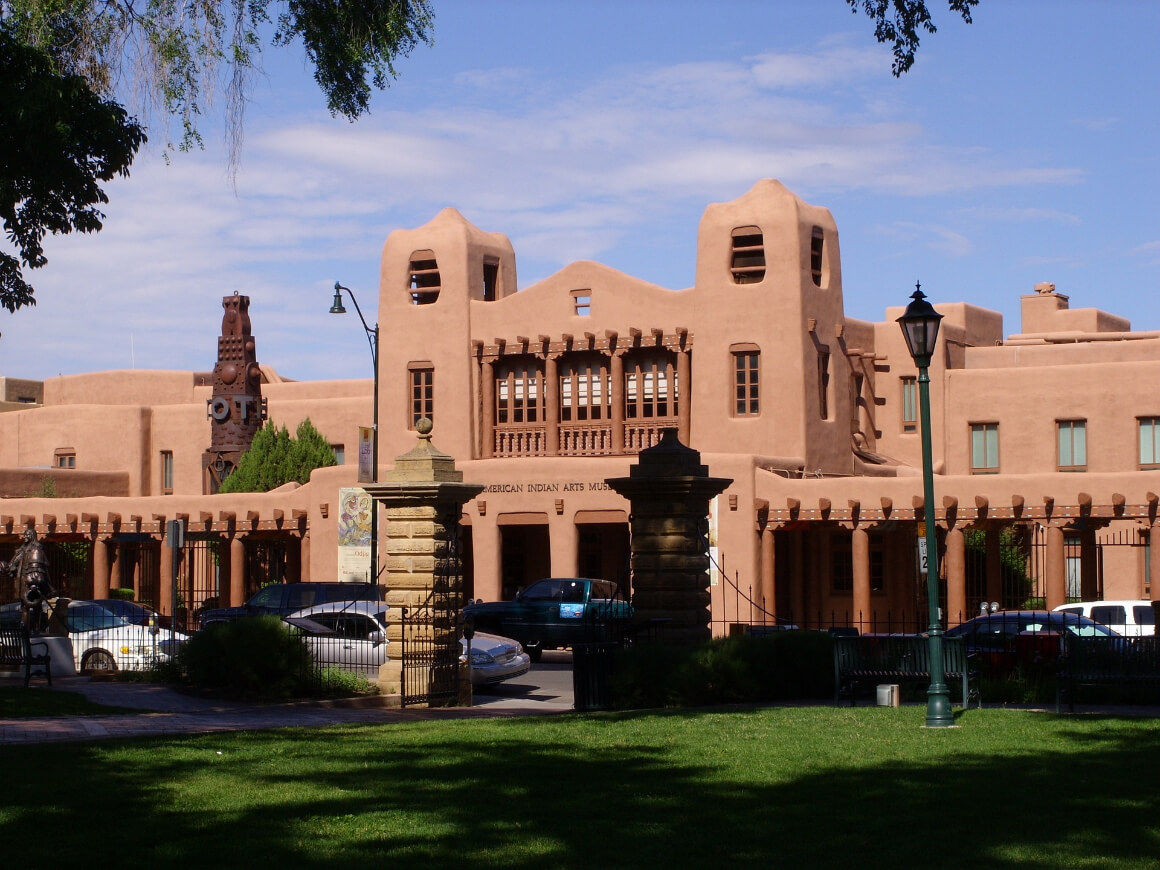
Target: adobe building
{"type": "Point", "coordinates": [1046, 442]}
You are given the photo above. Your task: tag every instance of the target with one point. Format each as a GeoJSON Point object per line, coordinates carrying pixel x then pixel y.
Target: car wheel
{"type": "Point", "coordinates": [98, 661]}
{"type": "Point", "coordinates": [534, 650]}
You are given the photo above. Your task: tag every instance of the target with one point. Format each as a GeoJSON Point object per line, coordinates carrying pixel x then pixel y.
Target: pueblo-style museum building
{"type": "Point", "coordinates": [1046, 442]}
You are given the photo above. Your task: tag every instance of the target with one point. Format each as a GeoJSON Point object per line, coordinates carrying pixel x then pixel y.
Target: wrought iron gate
{"type": "Point", "coordinates": [430, 636]}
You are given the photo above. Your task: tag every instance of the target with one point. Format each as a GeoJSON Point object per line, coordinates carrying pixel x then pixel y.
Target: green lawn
{"type": "Point", "coordinates": [813, 787]}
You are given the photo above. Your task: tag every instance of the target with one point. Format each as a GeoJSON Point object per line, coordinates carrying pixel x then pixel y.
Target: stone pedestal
{"type": "Point", "coordinates": [422, 498]}
{"type": "Point", "coordinates": [669, 491]}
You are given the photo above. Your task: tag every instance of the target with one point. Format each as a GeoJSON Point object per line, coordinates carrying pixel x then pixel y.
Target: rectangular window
{"type": "Point", "coordinates": [647, 384]}
{"type": "Point", "coordinates": [490, 278]}
{"type": "Point", "coordinates": [748, 263]}
{"type": "Point", "coordinates": [582, 302]}
{"type": "Point", "coordinates": [65, 457]}
{"type": "Point", "coordinates": [339, 453]}
{"type": "Point", "coordinates": [746, 392]}
{"type": "Point", "coordinates": [1072, 445]}
{"type": "Point", "coordinates": [422, 392]}
{"type": "Point", "coordinates": [167, 472]}
{"type": "Point", "coordinates": [1150, 442]}
{"type": "Point", "coordinates": [984, 448]}
{"type": "Point", "coordinates": [585, 391]}
{"type": "Point", "coordinates": [817, 239]}
{"type": "Point", "coordinates": [824, 384]}
{"type": "Point", "coordinates": [517, 393]}
{"type": "Point", "coordinates": [909, 404]}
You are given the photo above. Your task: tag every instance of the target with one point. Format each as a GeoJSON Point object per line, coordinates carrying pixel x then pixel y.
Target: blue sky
{"type": "Point", "coordinates": [1021, 148]}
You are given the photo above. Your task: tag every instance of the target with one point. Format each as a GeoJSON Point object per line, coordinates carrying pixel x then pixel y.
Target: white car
{"type": "Point", "coordinates": [1129, 618]}
{"type": "Point", "coordinates": [352, 635]}
{"type": "Point", "coordinates": [103, 641]}
{"type": "Point", "coordinates": [106, 643]}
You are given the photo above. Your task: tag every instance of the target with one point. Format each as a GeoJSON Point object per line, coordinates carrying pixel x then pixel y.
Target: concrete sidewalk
{"type": "Point", "coordinates": [161, 711]}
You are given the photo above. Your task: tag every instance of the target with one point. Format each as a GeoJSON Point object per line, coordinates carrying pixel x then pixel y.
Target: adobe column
{"type": "Point", "coordinates": [1056, 591]}
{"type": "Point", "coordinates": [423, 496]}
{"type": "Point", "coordinates": [956, 571]}
{"type": "Point", "coordinates": [669, 491]}
{"type": "Point", "coordinates": [860, 556]}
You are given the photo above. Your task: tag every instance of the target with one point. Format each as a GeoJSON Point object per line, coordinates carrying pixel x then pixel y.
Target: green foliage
{"type": "Point", "coordinates": [122, 593]}
{"type": "Point", "coordinates": [275, 458]}
{"type": "Point", "coordinates": [899, 22]}
{"type": "Point", "coordinates": [254, 657]}
{"type": "Point", "coordinates": [741, 669]}
{"type": "Point", "coordinates": [179, 53]}
{"type": "Point", "coordinates": [58, 140]}
{"type": "Point", "coordinates": [1014, 559]}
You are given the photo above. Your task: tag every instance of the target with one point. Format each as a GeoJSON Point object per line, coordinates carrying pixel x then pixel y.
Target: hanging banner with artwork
{"type": "Point", "coordinates": [714, 553]}
{"type": "Point", "coordinates": [354, 534]}
{"type": "Point", "coordinates": [366, 454]}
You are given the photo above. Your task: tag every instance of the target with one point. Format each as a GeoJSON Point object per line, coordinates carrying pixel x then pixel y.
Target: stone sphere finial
{"type": "Point", "coordinates": [424, 427]}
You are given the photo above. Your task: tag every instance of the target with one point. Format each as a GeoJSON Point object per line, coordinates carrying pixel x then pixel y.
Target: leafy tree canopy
{"type": "Point", "coordinates": [67, 67]}
{"type": "Point", "coordinates": [58, 141]}
{"type": "Point", "coordinates": [276, 458]}
{"type": "Point", "coordinates": [899, 22]}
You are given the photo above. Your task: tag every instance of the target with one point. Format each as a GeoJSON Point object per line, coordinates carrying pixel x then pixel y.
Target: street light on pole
{"type": "Point", "coordinates": [920, 324]}
{"type": "Point", "coordinates": [373, 340]}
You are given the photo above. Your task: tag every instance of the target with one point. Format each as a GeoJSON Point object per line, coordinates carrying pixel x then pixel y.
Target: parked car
{"type": "Point", "coordinates": [1008, 638]}
{"type": "Point", "coordinates": [1129, 618]}
{"type": "Point", "coordinates": [105, 642]}
{"type": "Point", "coordinates": [352, 635]}
{"type": "Point", "coordinates": [555, 612]}
{"type": "Point", "coordinates": [281, 599]}
{"type": "Point", "coordinates": [132, 611]}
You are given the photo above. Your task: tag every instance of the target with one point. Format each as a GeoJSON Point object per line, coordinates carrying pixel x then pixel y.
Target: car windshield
{"type": "Point", "coordinates": [92, 617]}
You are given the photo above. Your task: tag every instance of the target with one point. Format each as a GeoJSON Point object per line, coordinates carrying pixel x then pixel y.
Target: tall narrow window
{"type": "Point", "coordinates": [817, 240]}
{"type": "Point", "coordinates": [339, 453]}
{"type": "Point", "coordinates": [424, 278]}
{"type": "Point", "coordinates": [746, 382]}
{"type": "Point", "coordinates": [748, 263]}
{"type": "Point", "coordinates": [824, 384]}
{"type": "Point", "coordinates": [518, 392]}
{"type": "Point", "coordinates": [490, 278]}
{"type": "Point", "coordinates": [1072, 445]}
{"type": "Point", "coordinates": [1150, 442]}
{"type": "Point", "coordinates": [585, 390]}
{"type": "Point", "coordinates": [984, 448]}
{"type": "Point", "coordinates": [167, 472]}
{"type": "Point", "coordinates": [422, 392]}
{"type": "Point", "coordinates": [909, 404]}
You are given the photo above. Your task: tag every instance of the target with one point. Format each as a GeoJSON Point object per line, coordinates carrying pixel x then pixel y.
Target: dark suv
{"type": "Point", "coordinates": [280, 599]}
{"type": "Point", "coordinates": [556, 612]}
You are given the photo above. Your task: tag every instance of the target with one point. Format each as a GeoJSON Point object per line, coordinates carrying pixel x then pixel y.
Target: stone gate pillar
{"type": "Point", "coordinates": [423, 497]}
{"type": "Point", "coordinates": [669, 491]}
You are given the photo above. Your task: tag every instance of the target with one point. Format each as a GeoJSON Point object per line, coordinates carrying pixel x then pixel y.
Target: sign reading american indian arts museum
{"type": "Point", "coordinates": [554, 486]}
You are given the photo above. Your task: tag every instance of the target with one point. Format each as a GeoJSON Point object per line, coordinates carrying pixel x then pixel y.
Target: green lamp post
{"type": "Point", "coordinates": [373, 339]}
{"type": "Point", "coordinates": [920, 324]}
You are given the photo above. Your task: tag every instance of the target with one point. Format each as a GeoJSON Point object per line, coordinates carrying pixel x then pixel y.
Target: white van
{"type": "Point", "coordinates": [1129, 618]}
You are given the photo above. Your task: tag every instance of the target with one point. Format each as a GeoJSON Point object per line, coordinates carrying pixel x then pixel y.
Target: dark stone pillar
{"type": "Point", "coordinates": [669, 491]}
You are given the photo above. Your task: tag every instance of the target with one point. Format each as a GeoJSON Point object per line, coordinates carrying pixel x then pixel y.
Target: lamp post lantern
{"type": "Point", "coordinates": [920, 324]}
{"type": "Point", "coordinates": [373, 340]}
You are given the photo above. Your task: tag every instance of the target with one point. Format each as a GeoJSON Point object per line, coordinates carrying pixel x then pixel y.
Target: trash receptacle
{"type": "Point", "coordinates": [888, 695]}
{"type": "Point", "coordinates": [592, 675]}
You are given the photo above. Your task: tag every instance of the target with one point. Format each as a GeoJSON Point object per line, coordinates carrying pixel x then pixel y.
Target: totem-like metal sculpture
{"type": "Point", "coordinates": [237, 409]}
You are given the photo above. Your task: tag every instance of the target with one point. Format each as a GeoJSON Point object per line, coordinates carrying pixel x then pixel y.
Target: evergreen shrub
{"type": "Point", "coordinates": [255, 657]}
{"type": "Point", "coordinates": [790, 665]}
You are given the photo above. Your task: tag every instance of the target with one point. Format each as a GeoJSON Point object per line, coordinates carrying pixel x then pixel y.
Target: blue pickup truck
{"type": "Point", "coordinates": [556, 612]}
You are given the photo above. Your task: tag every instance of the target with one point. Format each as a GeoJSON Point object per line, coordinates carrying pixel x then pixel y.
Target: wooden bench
{"type": "Point", "coordinates": [898, 659]}
{"type": "Point", "coordinates": [1107, 661]}
{"type": "Point", "coordinates": [17, 651]}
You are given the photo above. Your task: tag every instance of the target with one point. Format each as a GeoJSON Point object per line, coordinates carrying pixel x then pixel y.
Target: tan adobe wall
{"type": "Point", "coordinates": [1046, 311]}
{"type": "Point", "coordinates": [121, 387]}
{"type": "Point", "coordinates": [20, 392]}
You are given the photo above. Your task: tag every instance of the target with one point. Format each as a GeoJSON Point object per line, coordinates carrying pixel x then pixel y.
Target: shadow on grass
{"type": "Point", "coordinates": [781, 788]}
